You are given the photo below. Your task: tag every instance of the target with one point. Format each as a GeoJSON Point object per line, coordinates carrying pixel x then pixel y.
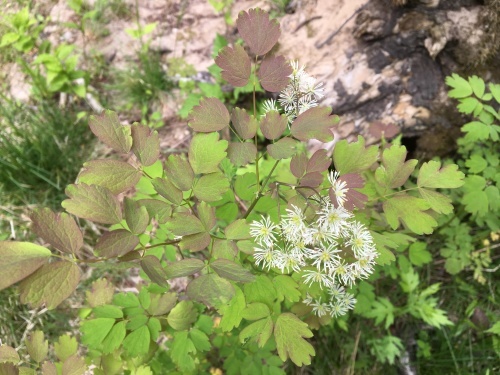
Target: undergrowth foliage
{"type": "Point", "coordinates": [272, 241]}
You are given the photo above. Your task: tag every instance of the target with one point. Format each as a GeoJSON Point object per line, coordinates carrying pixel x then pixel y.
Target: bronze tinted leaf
{"type": "Point", "coordinates": [244, 124]}
{"type": "Point", "coordinates": [298, 164]}
{"type": "Point", "coordinates": [153, 268]}
{"type": "Point", "coordinates": [95, 203]}
{"type": "Point", "coordinates": [315, 123]}
{"type": "Point", "coordinates": [211, 290]}
{"type": "Point", "coordinates": [37, 346]}
{"type": "Point", "coordinates": [155, 207]}
{"type": "Point", "coordinates": [209, 116]}
{"type": "Point", "coordinates": [116, 243]}
{"type": "Point", "coordinates": [50, 285]}
{"type": "Point", "coordinates": [311, 179]}
{"type": "Point", "coordinates": [179, 171]}
{"type": "Point", "coordinates": [19, 260]}
{"type": "Point", "coordinates": [206, 213]}
{"type": "Point", "coordinates": [319, 162]}
{"type": "Point", "coordinates": [60, 230]}
{"type": "Point", "coordinates": [184, 267]}
{"type": "Point", "coordinates": [115, 175]}
{"type": "Point", "coordinates": [283, 149]}
{"type": "Point", "coordinates": [195, 242]}
{"type": "Point", "coordinates": [235, 65]}
{"type": "Point", "coordinates": [241, 154]}
{"type": "Point", "coordinates": [273, 125]}
{"type": "Point", "coordinates": [184, 224]}
{"type": "Point", "coordinates": [274, 73]}
{"type": "Point", "coordinates": [231, 270]}
{"type": "Point", "coordinates": [74, 365]}
{"type": "Point", "coordinates": [211, 187]}
{"type": "Point", "coordinates": [137, 216]}
{"type": "Point", "coordinates": [8, 354]}
{"type": "Point", "coordinates": [108, 129]}
{"type": "Point", "coordinates": [146, 144]}
{"type": "Point", "coordinates": [167, 190]}
{"type": "Point", "coordinates": [258, 31]}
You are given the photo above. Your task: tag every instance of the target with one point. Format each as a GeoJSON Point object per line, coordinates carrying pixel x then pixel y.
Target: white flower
{"type": "Point", "coordinates": [337, 309]}
{"type": "Point", "coordinates": [306, 102]}
{"type": "Point", "coordinates": [263, 231]}
{"type": "Point", "coordinates": [348, 301]}
{"type": "Point", "coordinates": [266, 256]}
{"type": "Point", "coordinates": [270, 105]}
{"type": "Point", "coordinates": [339, 188]}
{"type": "Point", "coordinates": [316, 276]}
{"type": "Point", "coordinates": [334, 219]}
{"type": "Point", "coordinates": [336, 291]}
{"type": "Point", "coordinates": [320, 308]}
{"type": "Point", "coordinates": [293, 224]}
{"type": "Point", "coordinates": [325, 259]}
{"type": "Point", "coordinates": [360, 239]}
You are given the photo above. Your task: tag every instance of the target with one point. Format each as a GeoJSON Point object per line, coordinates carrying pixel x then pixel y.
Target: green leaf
{"type": "Point", "coordinates": [493, 197]}
{"type": "Point", "coordinates": [19, 260]}
{"type": "Point", "coordinates": [155, 207]}
{"type": "Point", "coordinates": [195, 242]}
{"type": "Point", "coordinates": [256, 311]}
{"type": "Point", "coordinates": [410, 211]}
{"type": "Point", "coordinates": [136, 322]}
{"type": "Point", "coordinates": [101, 293]}
{"type": "Point", "coordinates": [210, 289]}
{"type": "Point", "coordinates": [146, 144]}
{"type": "Point", "coordinates": [315, 123]}
{"type": "Point", "coordinates": [183, 224]}
{"type": "Point", "coordinates": [182, 316]}
{"type": "Point", "coordinates": [154, 326]}
{"type": "Point", "coordinates": [476, 131]}
{"type": "Point", "coordinates": [50, 285]}
{"type": "Point", "coordinates": [461, 88]}
{"type": "Point", "coordinates": [223, 249]}
{"type": "Point", "coordinates": [114, 338]}
{"type": "Point", "coordinates": [60, 230]}
{"type": "Point", "coordinates": [153, 268]}
{"type": "Point", "coordinates": [418, 254]}
{"type": "Point", "coordinates": [258, 31]}
{"type": "Point", "coordinates": [261, 290]}
{"type": "Point", "coordinates": [95, 331]}
{"type": "Point", "coordinates": [260, 331]}
{"type": "Point", "coordinates": [476, 163]}
{"type": "Point", "coordinates": [286, 288]}
{"type": "Point", "coordinates": [185, 267]}
{"type": "Point", "coordinates": [241, 154]}
{"type": "Point", "coordinates": [283, 149]}
{"type": "Point", "coordinates": [108, 311]}
{"type": "Point", "coordinates": [437, 201]}
{"type": "Point", "coordinates": [495, 91]}
{"type": "Point", "coordinates": [495, 329]}
{"type": "Point", "coordinates": [137, 342]}
{"type": "Point", "coordinates": [235, 65]}
{"type": "Point", "coordinates": [115, 175]}
{"type": "Point", "coordinates": [273, 125]}
{"type": "Point", "coordinates": [136, 216]}
{"type": "Point", "coordinates": [211, 187]}
{"type": "Point", "coordinates": [468, 105]}
{"type": "Point", "coordinates": [108, 129]}
{"type": "Point", "coordinates": [382, 309]}
{"type": "Point", "coordinates": [477, 85]}
{"type": "Point", "coordinates": [179, 171]}
{"type": "Point", "coordinates": [37, 346]}
{"type": "Point", "coordinates": [116, 243]}
{"type": "Point", "coordinates": [431, 176]}
{"type": "Point", "coordinates": [232, 311]}
{"type": "Point", "coordinates": [245, 186]}
{"type": "Point", "coordinates": [210, 115]}
{"type": "Point", "coordinates": [232, 271]}
{"type": "Point", "coordinates": [94, 203]}
{"type": "Point", "coordinates": [206, 152]}
{"type": "Point", "coordinates": [476, 202]}
{"type": "Point", "coordinates": [162, 304]}
{"type": "Point", "coordinates": [65, 347]}
{"type": "Point", "coordinates": [394, 171]}
{"type": "Point", "coordinates": [238, 230]}
{"type": "Point", "coordinates": [8, 355]}
{"type": "Point", "coordinates": [206, 213]}
{"type": "Point", "coordinates": [354, 157]}
{"type": "Point", "coordinates": [244, 124]}
{"type": "Point", "coordinates": [200, 340]}
{"type": "Point", "coordinates": [274, 73]}
{"type": "Point", "coordinates": [167, 190]}
{"type": "Point", "coordinates": [386, 349]}
{"type": "Point", "coordinates": [289, 332]}
{"type": "Point", "coordinates": [182, 348]}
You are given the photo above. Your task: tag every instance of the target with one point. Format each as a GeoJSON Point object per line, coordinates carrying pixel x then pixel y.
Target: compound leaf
{"type": "Point", "coordinates": [211, 290]}
{"type": "Point", "coordinates": [50, 285]}
{"type": "Point", "coordinates": [74, 365]}
{"type": "Point", "coordinates": [260, 331]}
{"type": "Point", "coordinates": [210, 115]}
{"type": "Point", "coordinates": [179, 171]}
{"type": "Point", "coordinates": [114, 338]}
{"type": "Point", "coordinates": [315, 123]}
{"type": "Point", "coordinates": [241, 154]}
{"type": "Point", "coordinates": [108, 129]}
{"type": "Point", "coordinates": [232, 312]}
{"type": "Point", "coordinates": [116, 243]}
{"type": "Point", "coordinates": [91, 202]}
{"type": "Point", "coordinates": [238, 230]}
{"type": "Point", "coordinates": [410, 211]}
{"type": "Point", "coordinates": [65, 347]}
{"type": "Point", "coordinates": [167, 190]}
{"type": "Point", "coordinates": [286, 288]}
{"type": "Point", "coordinates": [274, 73]}
{"type": "Point", "coordinates": [182, 316]}
{"type": "Point", "coordinates": [273, 125]}
{"type": "Point", "coordinates": [153, 268]}
{"type": "Point", "coordinates": [233, 271]}
{"type": "Point", "coordinates": [182, 347]}
{"type": "Point", "coordinates": [244, 124]}
{"type": "Point", "coordinates": [431, 175]}
{"type": "Point", "coordinates": [461, 88]}
{"type": "Point", "coordinates": [60, 230]}
{"type": "Point", "coordinates": [257, 30]}
{"type": "Point", "coordinates": [184, 267]}
{"type": "Point", "coordinates": [195, 242]}
{"type": "Point", "coordinates": [183, 224]}
{"type": "Point", "coordinates": [289, 332]}
{"type": "Point", "coordinates": [394, 171]}
{"type": "Point", "coordinates": [211, 187]}
{"type": "Point", "coordinates": [235, 65]}
{"type": "Point", "coordinates": [37, 346]}
{"type": "Point", "coordinates": [115, 175]}
{"type": "Point", "coordinates": [136, 216]}
{"type": "Point", "coordinates": [137, 342]}
{"type": "Point", "coordinates": [146, 144]}
{"type": "Point", "coordinates": [437, 201]}
{"type": "Point", "coordinates": [283, 149]}
{"type": "Point", "coordinates": [354, 157]}
{"type": "Point", "coordinates": [206, 152]}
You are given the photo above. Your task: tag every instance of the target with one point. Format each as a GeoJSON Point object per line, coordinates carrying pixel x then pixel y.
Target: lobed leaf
{"type": "Point", "coordinates": [206, 152]}
{"type": "Point", "coordinates": [256, 311]}
{"type": "Point", "coordinates": [315, 123]}
{"type": "Point", "coordinates": [37, 346]}
{"type": "Point", "coordinates": [182, 316]}
{"type": "Point", "coordinates": [431, 175]}
{"type": "Point", "coordinates": [65, 347]}
{"type": "Point", "coordinates": [241, 154]}
{"type": "Point", "coordinates": [319, 162]}
{"type": "Point", "coordinates": [210, 115]}
{"type": "Point", "coordinates": [19, 260]}
{"type": "Point", "coordinates": [50, 285]}
{"type": "Point", "coordinates": [8, 355]}
{"type": "Point", "coordinates": [235, 64]}
{"type": "Point", "coordinates": [298, 164]}
{"type": "Point", "coordinates": [167, 190]}
{"type": "Point", "coordinates": [289, 332]}
{"type": "Point", "coordinates": [211, 187]}
{"type": "Point", "coordinates": [116, 243]}
{"type": "Point", "coordinates": [101, 293]}
{"type": "Point", "coordinates": [182, 347]}
{"type": "Point", "coordinates": [257, 30]}
{"type": "Point", "coordinates": [108, 129]}
{"type": "Point", "coordinates": [60, 230]}
{"type": "Point", "coordinates": [260, 331]}
{"type": "Point", "coordinates": [92, 202]}
{"type": "Point", "coordinates": [74, 365]}
{"type": "Point", "coordinates": [411, 211]}
{"type": "Point", "coordinates": [394, 171]}
{"type": "Point", "coordinates": [354, 157]}
{"type": "Point", "coordinates": [244, 124]}
{"type": "Point", "coordinates": [437, 201]}
{"type": "Point", "coordinates": [274, 73]}
{"type": "Point", "coordinates": [273, 125]}
{"type": "Point", "coordinates": [232, 312]}
{"type": "Point", "coordinates": [461, 88]}
{"type": "Point", "coordinates": [115, 175]}
{"type": "Point", "coordinates": [146, 144]}
{"type": "Point", "coordinates": [283, 149]}
{"type": "Point", "coordinates": [210, 289]}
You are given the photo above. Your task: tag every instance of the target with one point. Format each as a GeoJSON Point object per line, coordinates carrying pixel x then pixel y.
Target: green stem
{"type": "Point", "coordinates": [261, 189]}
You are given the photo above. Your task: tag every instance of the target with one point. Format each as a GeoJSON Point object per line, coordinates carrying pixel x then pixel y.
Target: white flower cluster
{"type": "Point", "coordinates": [302, 93]}
{"type": "Point", "coordinates": [334, 250]}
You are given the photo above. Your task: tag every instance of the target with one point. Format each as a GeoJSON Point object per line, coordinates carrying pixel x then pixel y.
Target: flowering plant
{"type": "Point", "coordinates": [269, 247]}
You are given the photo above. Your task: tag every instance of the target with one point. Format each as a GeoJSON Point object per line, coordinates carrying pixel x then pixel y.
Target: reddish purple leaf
{"type": "Point", "coordinates": [298, 165]}
{"type": "Point", "coordinates": [319, 162]}
{"type": "Point", "coordinates": [258, 31]}
{"type": "Point", "coordinates": [311, 179]}
{"type": "Point", "coordinates": [235, 65]}
{"type": "Point", "coordinates": [273, 125]}
{"type": "Point", "coordinates": [241, 153]}
{"type": "Point", "coordinates": [274, 73]}
{"type": "Point", "coordinates": [352, 198]}
{"type": "Point", "coordinates": [379, 129]}
{"type": "Point", "coordinates": [146, 144]}
{"type": "Point", "coordinates": [116, 243]}
{"type": "Point", "coordinates": [315, 123]}
{"type": "Point", "coordinates": [210, 116]}
{"type": "Point", "coordinates": [108, 129]}
{"type": "Point", "coordinates": [244, 124]}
